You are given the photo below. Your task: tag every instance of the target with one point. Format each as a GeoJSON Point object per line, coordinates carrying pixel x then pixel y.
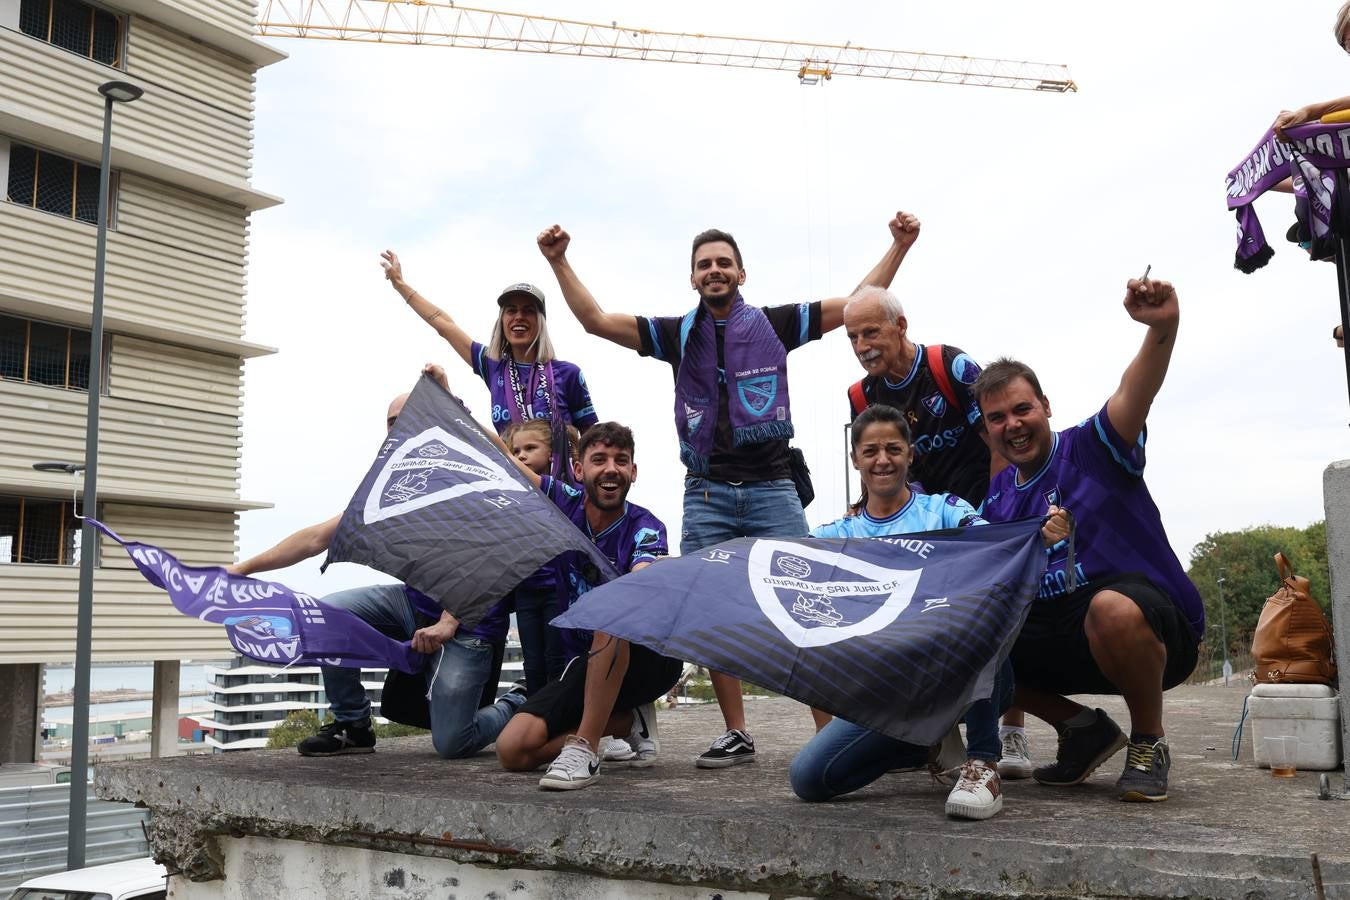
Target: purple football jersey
{"type": "Point", "coordinates": [1097, 476]}
{"type": "Point", "coordinates": [635, 537]}
{"type": "Point", "coordinates": [570, 392]}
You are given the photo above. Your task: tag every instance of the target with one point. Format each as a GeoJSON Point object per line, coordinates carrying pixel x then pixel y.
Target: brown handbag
{"type": "Point", "coordinates": [1292, 642]}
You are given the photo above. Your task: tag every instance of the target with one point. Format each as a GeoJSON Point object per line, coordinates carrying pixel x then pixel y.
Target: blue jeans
{"type": "Point", "coordinates": [540, 642]}
{"type": "Point", "coordinates": [717, 511]}
{"type": "Point", "coordinates": [844, 757]}
{"type": "Point", "coordinates": [454, 683]}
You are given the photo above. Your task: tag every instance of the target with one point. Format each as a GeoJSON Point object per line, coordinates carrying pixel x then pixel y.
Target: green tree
{"type": "Point", "coordinates": [1246, 561]}
{"type": "Point", "coordinates": [293, 729]}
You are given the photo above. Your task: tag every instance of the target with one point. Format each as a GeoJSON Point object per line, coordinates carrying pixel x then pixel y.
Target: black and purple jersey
{"type": "Point", "coordinates": [795, 324]}
{"type": "Point", "coordinates": [1098, 477]}
{"type": "Point", "coordinates": [570, 392]}
{"type": "Point", "coordinates": [635, 537]}
{"type": "Point", "coordinates": [950, 456]}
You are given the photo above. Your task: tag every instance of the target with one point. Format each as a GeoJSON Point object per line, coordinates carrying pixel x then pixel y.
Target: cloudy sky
{"type": "Point", "coordinates": [1036, 208]}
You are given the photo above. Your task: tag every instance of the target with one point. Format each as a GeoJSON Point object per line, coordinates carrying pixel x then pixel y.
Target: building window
{"type": "Point", "coordinates": [55, 184]}
{"type": "Point", "coordinates": [72, 25]}
{"type": "Point", "coordinates": [42, 353]}
{"type": "Point", "coordinates": [39, 531]}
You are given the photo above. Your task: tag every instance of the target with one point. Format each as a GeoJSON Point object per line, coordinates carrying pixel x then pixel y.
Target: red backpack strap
{"type": "Point", "coordinates": [938, 366]}
{"type": "Point", "coordinates": [857, 401]}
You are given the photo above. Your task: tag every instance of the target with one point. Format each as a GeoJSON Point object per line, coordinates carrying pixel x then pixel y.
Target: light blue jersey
{"type": "Point", "coordinates": [923, 512]}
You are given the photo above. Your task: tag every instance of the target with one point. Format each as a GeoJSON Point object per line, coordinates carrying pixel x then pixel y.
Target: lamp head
{"type": "Point", "coordinates": [120, 91]}
{"type": "Point", "coordinates": [57, 466]}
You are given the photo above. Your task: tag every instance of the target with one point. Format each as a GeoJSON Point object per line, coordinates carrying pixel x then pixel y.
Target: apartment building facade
{"type": "Point", "coordinates": [181, 197]}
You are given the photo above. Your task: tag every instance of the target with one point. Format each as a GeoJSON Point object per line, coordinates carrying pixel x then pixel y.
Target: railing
{"type": "Point", "coordinates": [33, 832]}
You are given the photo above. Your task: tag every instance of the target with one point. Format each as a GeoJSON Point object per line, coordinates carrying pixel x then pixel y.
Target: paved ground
{"type": "Point", "coordinates": [1230, 830]}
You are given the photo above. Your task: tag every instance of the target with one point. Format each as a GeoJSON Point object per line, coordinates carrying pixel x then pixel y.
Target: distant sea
{"type": "Point", "coordinates": [135, 676]}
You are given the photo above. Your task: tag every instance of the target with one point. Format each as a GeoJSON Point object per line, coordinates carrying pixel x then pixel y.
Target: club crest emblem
{"type": "Point", "coordinates": [693, 418]}
{"type": "Point", "coordinates": [965, 369]}
{"type": "Point", "coordinates": [816, 597]}
{"type": "Point", "coordinates": [936, 404]}
{"type": "Point", "coordinates": [429, 468]}
{"type": "Point", "coordinates": [261, 627]}
{"type": "Point", "coordinates": [757, 394]}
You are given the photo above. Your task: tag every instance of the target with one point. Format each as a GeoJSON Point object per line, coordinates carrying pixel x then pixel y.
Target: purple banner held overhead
{"type": "Point", "coordinates": [267, 621]}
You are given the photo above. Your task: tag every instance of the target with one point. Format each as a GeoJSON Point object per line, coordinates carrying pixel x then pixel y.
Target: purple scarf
{"type": "Point", "coordinates": [755, 365]}
{"type": "Point", "coordinates": [1312, 148]}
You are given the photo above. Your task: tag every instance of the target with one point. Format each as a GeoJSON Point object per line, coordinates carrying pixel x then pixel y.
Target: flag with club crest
{"type": "Point", "coordinates": [899, 634]}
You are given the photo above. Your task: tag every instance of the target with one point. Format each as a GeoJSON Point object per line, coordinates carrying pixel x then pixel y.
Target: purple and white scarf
{"type": "Point", "coordinates": [541, 383]}
{"type": "Point", "coordinates": [1311, 150]}
{"type": "Point", "coordinates": [755, 364]}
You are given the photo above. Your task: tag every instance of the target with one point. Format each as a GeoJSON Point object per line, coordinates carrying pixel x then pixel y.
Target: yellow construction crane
{"type": "Point", "coordinates": [444, 24]}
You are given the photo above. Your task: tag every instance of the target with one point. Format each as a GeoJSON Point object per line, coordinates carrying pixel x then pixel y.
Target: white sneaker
{"type": "Point", "coordinates": [977, 794]}
{"type": "Point", "coordinates": [616, 750]}
{"type": "Point", "coordinates": [1016, 761]}
{"type": "Point", "coordinates": [576, 767]}
{"type": "Point", "coordinates": [642, 737]}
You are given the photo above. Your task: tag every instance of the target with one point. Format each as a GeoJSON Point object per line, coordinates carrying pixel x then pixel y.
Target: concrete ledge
{"type": "Point", "coordinates": [1230, 830]}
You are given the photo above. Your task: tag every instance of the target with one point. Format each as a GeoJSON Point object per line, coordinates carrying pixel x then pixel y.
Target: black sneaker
{"type": "Point", "coordinates": [1145, 776]}
{"type": "Point", "coordinates": [1082, 749]}
{"type": "Point", "coordinates": [518, 688]}
{"type": "Point", "coordinates": [731, 748]}
{"type": "Point", "coordinates": [337, 738]}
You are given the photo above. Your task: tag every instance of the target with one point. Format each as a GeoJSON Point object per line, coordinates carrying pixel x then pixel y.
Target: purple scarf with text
{"type": "Point", "coordinates": [1312, 149]}
{"type": "Point", "coordinates": [754, 361]}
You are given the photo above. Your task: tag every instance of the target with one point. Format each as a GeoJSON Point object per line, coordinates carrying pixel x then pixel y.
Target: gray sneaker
{"type": "Point", "coordinates": [1016, 761]}
{"type": "Point", "coordinates": [1082, 749]}
{"type": "Point", "coordinates": [1146, 768]}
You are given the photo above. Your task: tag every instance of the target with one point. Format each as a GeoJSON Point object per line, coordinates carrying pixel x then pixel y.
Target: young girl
{"type": "Point", "coordinates": [531, 442]}
{"type": "Point", "coordinates": [844, 757]}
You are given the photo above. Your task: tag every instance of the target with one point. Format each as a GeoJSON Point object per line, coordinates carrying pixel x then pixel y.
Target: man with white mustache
{"type": "Point", "coordinates": [932, 386]}
{"type": "Point", "coordinates": [733, 417]}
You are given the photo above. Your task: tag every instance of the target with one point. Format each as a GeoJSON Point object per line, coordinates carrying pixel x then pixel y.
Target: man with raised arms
{"type": "Point", "coordinates": [609, 686]}
{"type": "Point", "coordinates": [732, 411]}
{"type": "Point", "coordinates": [1131, 622]}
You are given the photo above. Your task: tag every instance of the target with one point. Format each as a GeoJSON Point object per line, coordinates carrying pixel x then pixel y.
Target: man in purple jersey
{"type": "Point", "coordinates": [1116, 613]}
{"type": "Point", "coordinates": [609, 686]}
{"type": "Point", "coordinates": [460, 684]}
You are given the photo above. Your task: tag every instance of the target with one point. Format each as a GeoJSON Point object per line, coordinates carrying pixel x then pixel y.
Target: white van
{"type": "Point", "coordinates": [134, 879]}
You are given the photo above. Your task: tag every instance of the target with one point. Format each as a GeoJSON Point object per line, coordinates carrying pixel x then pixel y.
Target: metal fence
{"type": "Point", "coordinates": [33, 829]}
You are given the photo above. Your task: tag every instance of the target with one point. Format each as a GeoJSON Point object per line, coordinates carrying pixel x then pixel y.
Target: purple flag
{"type": "Point", "coordinates": [268, 621]}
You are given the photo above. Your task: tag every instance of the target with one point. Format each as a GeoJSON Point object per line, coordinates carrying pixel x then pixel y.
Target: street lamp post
{"type": "Point", "coordinates": [1223, 632]}
{"type": "Point", "coordinates": [113, 92]}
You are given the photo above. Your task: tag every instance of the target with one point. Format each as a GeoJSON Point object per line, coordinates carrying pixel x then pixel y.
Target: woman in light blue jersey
{"type": "Point", "coordinates": [844, 757]}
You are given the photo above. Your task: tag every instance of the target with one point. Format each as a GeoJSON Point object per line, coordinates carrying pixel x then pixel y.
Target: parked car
{"type": "Point", "coordinates": [133, 879]}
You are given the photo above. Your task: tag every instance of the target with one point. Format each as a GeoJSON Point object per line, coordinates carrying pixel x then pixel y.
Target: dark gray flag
{"type": "Point", "coordinates": [445, 512]}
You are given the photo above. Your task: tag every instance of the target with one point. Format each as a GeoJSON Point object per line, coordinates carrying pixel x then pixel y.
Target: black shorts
{"type": "Point", "coordinates": [1052, 651]}
{"type": "Point", "coordinates": [560, 702]}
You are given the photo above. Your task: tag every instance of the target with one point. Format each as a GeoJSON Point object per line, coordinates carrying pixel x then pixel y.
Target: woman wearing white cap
{"type": "Point", "coordinates": [525, 378]}
{"type": "Point", "coordinates": [526, 381]}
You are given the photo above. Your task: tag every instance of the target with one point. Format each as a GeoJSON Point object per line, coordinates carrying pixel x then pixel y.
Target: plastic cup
{"type": "Point", "coordinates": [1283, 754]}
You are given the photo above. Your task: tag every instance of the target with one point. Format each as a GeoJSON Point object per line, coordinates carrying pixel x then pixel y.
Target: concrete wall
{"type": "Point", "coordinates": [260, 869]}
{"type": "Point", "coordinates": [20, 711]}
